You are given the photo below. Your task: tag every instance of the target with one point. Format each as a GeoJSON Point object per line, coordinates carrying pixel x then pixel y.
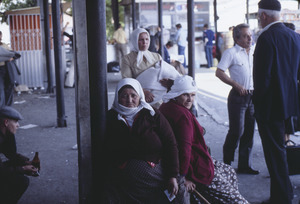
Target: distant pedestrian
{"type": "Point", "coordinates": [166, 51]}
{"type": "Point", "coordinates": [13, 181]}
{"type": "Point", "coordinates": [7, 76]}
{"type": "Point", "coordinates": [70, 80]}
{"type": "Point", "coordinates": [208, 37]}
{"type": "Point", "coordinates": [154, 39]}
{"type": "Point", "coordinates": [290, 25]}
{"type": "Point", "coordinates": [178, 66]}
{"type": "Point", "coordinates": [275, 74]}
{"type": "Point", "coordinates": [121, 43]}
{"type": "Point", "coordinates": [220, 46]}
{"type": "Point", "coordinates": [239, 61]}
{"type": "Point", "coordinates": [228, 38]}
{"type": "Point", "coordinates": [181, 39]}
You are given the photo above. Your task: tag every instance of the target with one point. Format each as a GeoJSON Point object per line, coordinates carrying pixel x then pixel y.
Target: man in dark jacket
{"type": "Point", "coordinates": [8, 73]}
{"type": "Point", "coordinates": [275, 75]}
{"type": "Point", "coordinates": [13, 183]}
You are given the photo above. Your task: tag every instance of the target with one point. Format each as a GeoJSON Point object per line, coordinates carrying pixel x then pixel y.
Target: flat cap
{"type": "Point", "coordinates": [11, 113]}
{"type": "Point", "coordinates": [269, 5]}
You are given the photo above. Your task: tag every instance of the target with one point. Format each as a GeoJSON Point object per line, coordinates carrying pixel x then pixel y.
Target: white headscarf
{"type": "Point", "coordinates": [182, 84]}
{"type": "Point", "coordinates": [134, 45]}
{"type": "Point", "coordinates": [130, 112]}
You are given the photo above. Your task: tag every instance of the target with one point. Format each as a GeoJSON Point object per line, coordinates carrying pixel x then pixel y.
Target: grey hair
{"type": "Point", "coordinates": [237, 30]}
{"type": "Point", "coordinates": [271, 13]}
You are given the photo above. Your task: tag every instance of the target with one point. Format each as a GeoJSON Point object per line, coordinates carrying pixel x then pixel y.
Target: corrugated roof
{"type": "Point", "coordinates": [35, 10]}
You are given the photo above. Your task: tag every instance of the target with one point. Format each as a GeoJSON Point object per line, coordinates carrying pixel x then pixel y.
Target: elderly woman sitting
{"type": "Point", "coordinates": [154, 74]}
{"type": "Point", "coordinates": [141, 149]}
{"type": "Point", "coordinates": [216, 181]}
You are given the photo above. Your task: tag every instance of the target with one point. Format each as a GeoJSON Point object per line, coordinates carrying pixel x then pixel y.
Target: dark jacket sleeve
{"type": "Point", "coordinates": [13, 72]}
{"type": "Point", "coordinates": [170, 150]}
{"type": "Point", "coordinates": [15, 160]}
{"type": "Point", "coordinates": [6, 168]}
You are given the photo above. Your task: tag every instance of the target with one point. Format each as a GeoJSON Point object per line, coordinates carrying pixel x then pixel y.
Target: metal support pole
{"type": "Point", "coordinates": [160, 24]}
{"type": "Point", "coordinates": [133, 14]}
{"type": "Point", "coordinates": [96, 38]}
{"type": "Point", "coordinates": [44, 9]}
{"type": "Point", "coordinates": [247, 10]}
{"type": "Point", "coordinates": [191, 39]}
{"type": "Point", "coordinates": [216, 18]}
{"type": "Point", "coordinates": [61, 118]}
{"type": "Point", "coordinates": [115, 11]}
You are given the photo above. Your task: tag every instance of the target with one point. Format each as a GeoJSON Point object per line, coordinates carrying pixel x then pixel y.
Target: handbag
{"type": "Point", "coordinates": [293, 157]}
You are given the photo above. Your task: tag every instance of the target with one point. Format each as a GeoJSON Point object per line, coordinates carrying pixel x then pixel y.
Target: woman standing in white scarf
{"type": "Point", "coordinates": [140, 149]}
{"type": "Point", "coordinates": [140, 59]}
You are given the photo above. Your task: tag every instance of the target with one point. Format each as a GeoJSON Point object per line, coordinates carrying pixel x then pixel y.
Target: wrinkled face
{"type": "Point", "coordinates": [11, 126]}
{"type": "Point", "coordinates": [263, 19]}
{"type": "Point", "coordinates": [143, 42]}
{"type": "Point", "coordinates": [186, 99]}
{"type": "Point", "coordinates": [129, 98]}
{"type": "Point", "coordinates": [245, 38]}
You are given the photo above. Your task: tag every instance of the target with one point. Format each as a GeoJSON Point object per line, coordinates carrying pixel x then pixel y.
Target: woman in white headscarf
{"type": "Point", "coordinates": [140, 148]}
{"type": "Point", "coordinates": [140, 59]}
{"type": "Point", "coordinates": [215, 180]}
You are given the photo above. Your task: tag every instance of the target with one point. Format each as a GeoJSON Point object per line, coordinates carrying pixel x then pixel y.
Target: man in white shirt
{"type": "Point", "coordinates": [121, 40]}
{"type": "Point", "coordinates": [239, 61]}
{"type": "Point", "coordinates": [181, 37]}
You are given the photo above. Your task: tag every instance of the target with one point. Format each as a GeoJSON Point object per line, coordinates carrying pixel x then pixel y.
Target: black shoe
{"type": "Point", "coordinates": [227, 162]}
{"type": "Point", "coordinates": [248, 170]}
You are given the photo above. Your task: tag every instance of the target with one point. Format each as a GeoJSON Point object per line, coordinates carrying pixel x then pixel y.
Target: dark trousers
{"type": "Point", "coordinates": [181, 51]}
{"type": "Point", "coordinates": [272, 137]}
{"type": "Point", "coordinates": [241, 129]}
{"type": "Point", "coordinates": [12, 187]}
{"type": "Point", "coordinates": [6, 88]}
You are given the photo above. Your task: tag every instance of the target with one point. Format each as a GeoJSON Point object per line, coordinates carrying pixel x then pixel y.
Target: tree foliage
{"type": "Point", "coordinates": [110, 21]}
{"type": "Point", "coordinates": [7, 5]}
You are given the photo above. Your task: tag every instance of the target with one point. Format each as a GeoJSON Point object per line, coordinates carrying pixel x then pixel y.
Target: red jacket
{"type": "Point", "coordinates": [194, 159]}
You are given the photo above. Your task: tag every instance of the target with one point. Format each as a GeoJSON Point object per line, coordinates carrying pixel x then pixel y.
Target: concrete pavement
{"type": "Point", "coordinates": [58, 182]}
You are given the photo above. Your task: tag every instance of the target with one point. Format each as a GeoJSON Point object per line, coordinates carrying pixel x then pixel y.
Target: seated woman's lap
{"type": "Point", "coordinates": [224, 187]}
{"type": "Point", "coordinates": [140, 180]}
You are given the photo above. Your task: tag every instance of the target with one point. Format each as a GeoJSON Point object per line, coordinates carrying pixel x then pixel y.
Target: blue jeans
{"type": "Point", "coordinates": [209, 55]}
{"type": "Point", "coordinates": [181, 52]}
